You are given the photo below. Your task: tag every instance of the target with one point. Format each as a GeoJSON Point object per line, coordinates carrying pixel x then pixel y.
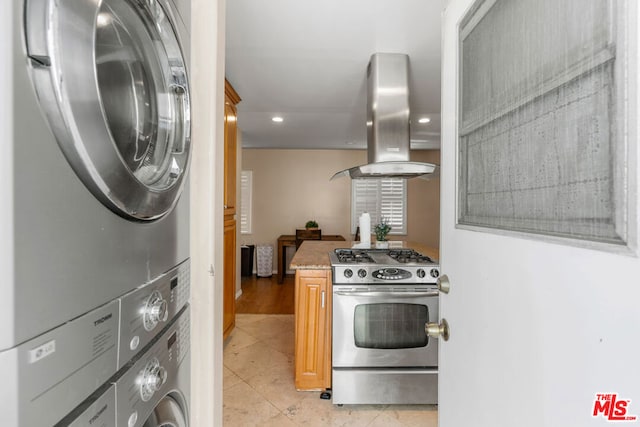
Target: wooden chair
{"type": "Point", "coordinates": [307, 234]}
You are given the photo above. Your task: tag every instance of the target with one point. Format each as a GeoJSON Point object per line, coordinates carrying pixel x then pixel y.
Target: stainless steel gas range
{"type": "Point", "coordinates": [382, 300]}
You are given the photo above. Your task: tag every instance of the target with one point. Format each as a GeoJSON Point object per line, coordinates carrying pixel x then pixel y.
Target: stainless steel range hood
{"type": "Point", "coordinates": [388, 122]}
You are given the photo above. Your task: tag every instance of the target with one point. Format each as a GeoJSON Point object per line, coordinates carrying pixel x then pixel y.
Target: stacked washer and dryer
{"type": "Point", "coordinates": [94, 312]}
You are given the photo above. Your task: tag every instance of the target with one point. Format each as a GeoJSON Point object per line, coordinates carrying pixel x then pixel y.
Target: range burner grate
{"type": "Point", "coordinates": [353, 256]}
{"type": "Point", "coordinates": [406, 256]}
{"type": "Point", "coordinates": [372, 256]}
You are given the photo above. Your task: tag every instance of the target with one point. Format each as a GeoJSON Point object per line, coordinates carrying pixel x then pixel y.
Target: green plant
{"type": "Point", "coordinates": [311, 224]}
{"type": "Point", "coordinates": [382, 229]}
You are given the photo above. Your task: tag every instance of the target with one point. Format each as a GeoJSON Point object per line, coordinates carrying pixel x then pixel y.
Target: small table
{"type": "Point", "coordinates": [290, 240]}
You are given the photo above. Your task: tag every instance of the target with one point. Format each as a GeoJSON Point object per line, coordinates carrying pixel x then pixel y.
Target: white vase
{"type": "Point", "coordinates": [382, 245]}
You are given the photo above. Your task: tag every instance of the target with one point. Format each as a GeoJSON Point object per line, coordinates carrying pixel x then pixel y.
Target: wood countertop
{"type": "Point", "coordinates": [314, 254]}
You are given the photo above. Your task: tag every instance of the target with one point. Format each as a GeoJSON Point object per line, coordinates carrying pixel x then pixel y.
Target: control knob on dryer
{"type": "Point", "coordinates": [153, 376]}
{"type": "Point", "coordinates": [154, 311]}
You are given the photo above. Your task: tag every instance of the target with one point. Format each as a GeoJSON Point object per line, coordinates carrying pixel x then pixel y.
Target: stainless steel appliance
{"type": "Point", "coordinates": [45, 378]}
{"type": "Point", "coordinates": [95, 157]}
{"type": "Point", "coordinates": [382, 301]}
{"type": "Point", "coordinates": [77, 364]}
{"type": "Point", "coordinates": [388, 122]}
{"type": "Point", "coordinates": [155, 389]}
{"type": "Point", "coordinates": [150, 308]}
{"type": "Point", "coordinates": [96, 191]}
{"type": "Point", "coordinates": [152, 387]}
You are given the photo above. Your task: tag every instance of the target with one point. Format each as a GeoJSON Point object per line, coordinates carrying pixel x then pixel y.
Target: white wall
{"type": "Point", "coordinates": [291, 187]}
{"type": "Point", "coordinates": [207, 79]}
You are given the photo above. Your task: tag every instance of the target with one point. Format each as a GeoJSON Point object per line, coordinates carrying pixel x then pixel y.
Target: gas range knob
{"type": "Point", "coordinates": [434, 273]}
{"type": "Point", "coordinates": [421, 273]}
{"type": "Point", "coordinates": [348, 273]}
{"type": "Point", "coordinates": [362, 273]}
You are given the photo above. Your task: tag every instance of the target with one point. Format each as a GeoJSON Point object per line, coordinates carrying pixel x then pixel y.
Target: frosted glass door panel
{"type": "Point", "coordinates": [540, 147]}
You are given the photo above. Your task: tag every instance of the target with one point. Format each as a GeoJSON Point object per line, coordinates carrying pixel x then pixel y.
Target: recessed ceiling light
{"type": "Point", "coordinates": [424, 120]}
{"type": "Point", "coordinates": [277, 119]}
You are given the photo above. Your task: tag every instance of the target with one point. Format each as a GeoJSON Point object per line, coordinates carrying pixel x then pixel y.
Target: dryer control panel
{"type": "Point", "coordinates": [162, 370]}
{"type": "Point", "coordinates": [147, 309]}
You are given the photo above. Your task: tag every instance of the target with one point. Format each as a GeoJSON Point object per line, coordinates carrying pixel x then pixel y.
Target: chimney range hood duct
{"type": "Point", "coordinates": [388, 122]}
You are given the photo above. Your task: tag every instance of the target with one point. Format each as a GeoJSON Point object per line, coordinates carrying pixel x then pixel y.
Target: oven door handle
{"type": "Point", "coordinates": [408, 294]}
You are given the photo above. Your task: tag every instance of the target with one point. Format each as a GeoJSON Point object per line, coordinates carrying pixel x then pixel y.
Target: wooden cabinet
{"type": "Point", "coordinates": [313, 329]}
{"type": "Point", "coordinates": [230, 148]}
{"type": "Point", "coordinates": [229, 244]}
{"type": "Point", "coordinates": [229, 300]}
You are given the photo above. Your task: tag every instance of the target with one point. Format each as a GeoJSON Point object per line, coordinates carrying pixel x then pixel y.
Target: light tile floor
{"type": "Point", "coordinates": [259, 390]}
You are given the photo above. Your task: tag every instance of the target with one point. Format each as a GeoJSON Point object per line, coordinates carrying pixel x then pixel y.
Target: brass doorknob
{"type": "Point", "coordinates": [443, 284]}
{"type": "Point", "coordinates": [435, 330]}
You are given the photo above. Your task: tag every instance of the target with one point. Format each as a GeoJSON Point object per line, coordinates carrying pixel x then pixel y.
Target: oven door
{"type": "Point", "coordinates": [375, 326]}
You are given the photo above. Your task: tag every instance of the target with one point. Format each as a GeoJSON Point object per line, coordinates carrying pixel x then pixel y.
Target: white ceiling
{"type": "Point", "coordinates": [305, 60]}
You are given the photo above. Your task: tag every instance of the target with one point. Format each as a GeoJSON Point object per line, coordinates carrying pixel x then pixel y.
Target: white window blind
{"type": "Point", "coordinates": [246, 190]}
{"type": "Point", "coordinates": [541, 146]}
{"type": "Point", "coordinates": [383, 197]}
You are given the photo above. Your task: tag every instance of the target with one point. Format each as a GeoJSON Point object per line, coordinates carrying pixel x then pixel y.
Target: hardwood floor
{"type": "Point", "coordinates": [264, 295]}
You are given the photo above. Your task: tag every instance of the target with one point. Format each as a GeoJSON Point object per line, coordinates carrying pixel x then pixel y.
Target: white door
{"type": "Point", "coordinates": [539, 326]}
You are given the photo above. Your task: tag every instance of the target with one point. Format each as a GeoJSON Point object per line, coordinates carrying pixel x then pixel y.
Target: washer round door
{"type": "Point", "coordinates": [112, 80]}
{"type": "Point", "coordinates": [167, 413]}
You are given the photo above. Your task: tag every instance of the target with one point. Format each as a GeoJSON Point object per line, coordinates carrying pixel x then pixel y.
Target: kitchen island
{"type": "Point", "coordinates": [312, 308]}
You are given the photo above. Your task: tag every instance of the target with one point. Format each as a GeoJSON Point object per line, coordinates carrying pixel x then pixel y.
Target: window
{"type": "Point", "coordinates": [246, 190]}
{"type": "Point", "coordinates": [383, 197]}
{"type": "Point", "coordinates": [542, 115]}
